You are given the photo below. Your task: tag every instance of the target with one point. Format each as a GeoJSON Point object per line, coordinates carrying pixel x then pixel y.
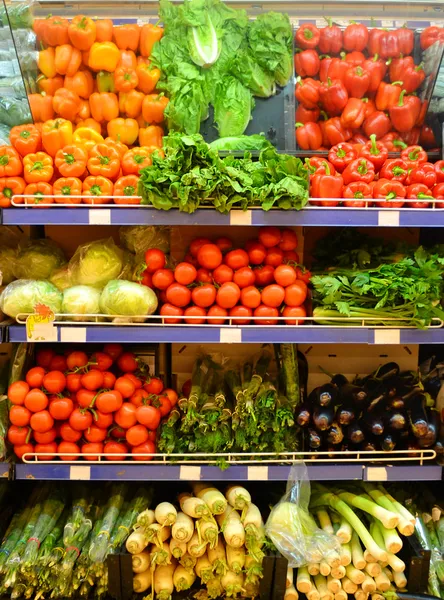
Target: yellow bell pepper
{"type": "Point", "coordinates": [123, 130]}
{"type": "Point", "coordinates": [86, 138]}
{"type": "Point", "coordinates": [104, 56]}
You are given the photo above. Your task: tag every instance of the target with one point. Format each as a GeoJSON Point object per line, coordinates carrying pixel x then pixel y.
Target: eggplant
{"type": "Point", "coordinates": [335, 435]}
{"type": "Point", "coordinates": [345, 415]}
{"type": "Point", "coordinates": [396, 403]}
{"type": "Point", "coordinates": [377, 403]}
{"type": "Point", "coordinates": [303, 375]}
{"type": "Point", "coordinates": [432, 431]}
{"type": "Point", "coordinates": [389, 441]}
{"type": "Point", "coordinates": [373, 387]}
{"type": "Point", "coordinates": [370, 446]}
{"type": "Point", "coordinates": [353, 394]}
{"type": "Point", "coordinates": [326, 395]}
{"type": "Point", "coordinates": [314, 439]}
{"type": "Point", "coordinates": [303, 415]}
{"type": "Point", "coordinates": [374, 422]}
{"type": "Point", "coordinates": [388, 370]}
{"type": "Point", "coordinates": [323, 417]}
{"type": "Point", "coordinates": [355, 433]}
{"type": "Point", "coordinates": [418, 417]}
{"type": "Point", "coordinates": [397, 421]}
{"type": "Point", "coordinates": [339, 380]}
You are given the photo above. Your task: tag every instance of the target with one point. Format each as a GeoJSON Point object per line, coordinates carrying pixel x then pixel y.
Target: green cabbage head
{"type": "Point", "coordinates": [21, 296]}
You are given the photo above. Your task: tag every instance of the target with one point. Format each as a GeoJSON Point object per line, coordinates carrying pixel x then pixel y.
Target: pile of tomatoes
{"type": "Point", "coordinates": [218, 283]}
{"type": "Point", "coordinates": [81, 405]}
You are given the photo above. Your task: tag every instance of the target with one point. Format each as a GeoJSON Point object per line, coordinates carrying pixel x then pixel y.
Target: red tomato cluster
{"type": "Point", "coordinates": [347, 90]}
{"type": "Point", "coordinates": [87, 405]}
{"type": "Point", "coordinates": [368, 174]}
{"type": "Point", "coordinates": [226, 283]}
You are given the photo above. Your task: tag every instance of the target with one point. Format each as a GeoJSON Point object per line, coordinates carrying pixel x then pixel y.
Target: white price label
{"type": "Point", "coordinates": [40, 331]}
{"type": "Point", "coordinates": [376, 474]}
{"type": "Point", "coordinates": [386, 23]}
{"type": "Point", "coordinates": [387, 336]}
{"type": "Point", "coordinates": [257, 473]}
{"type": "Point", "coordinates": [230, 335]}
{"type": "Point", "coordinates": [73, 334]}
{"type": "Point", "coordinates": [80, 473]}
{"type": "Point", "coordinates": [388, 218]}
{"type": "Point", "coordinates": [189, 473]}
{"type": "Point", "coordinates": [241, 217]}
{"type": "Point", "coordinates": [99, 216]}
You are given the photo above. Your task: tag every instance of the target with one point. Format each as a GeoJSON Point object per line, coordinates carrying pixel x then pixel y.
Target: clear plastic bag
{"type": "Point", "coordinates": [38, 259]}
{"type": "Point", "coordinates": [22, 296]}
{"type": "Point", "coordinates": [96, 263]}
{"type": "Point", "coordinates": [291, 527]}
{"type": "Point", "coordinates": [140, 238]}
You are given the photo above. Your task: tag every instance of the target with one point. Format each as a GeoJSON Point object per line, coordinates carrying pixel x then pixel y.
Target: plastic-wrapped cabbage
{"type": "Point", "coordinates": [23, 295]}
{"type": "Point", "coordinates": [38, 259]}
{"type": "Point", "coordinates": [61, 278]}
{"type": "Point", "coordinates": [139, 238]}
{"type": "Point", "coordinates": [8, 257]}
{"type": "Point", "coordinates": [127, 265]}
{"type": "Point", "coordinates": [127, 299]}
{"type": "Point", "coordinates": [81, 300]}
{"type": "Point", "coordinates": [96, 263]}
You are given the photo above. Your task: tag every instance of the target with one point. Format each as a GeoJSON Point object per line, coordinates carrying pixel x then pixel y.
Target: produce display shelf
{"type": "Point", "coordinates": [308, 217]}
{"type": "Point", "coordinates": [233, 334]}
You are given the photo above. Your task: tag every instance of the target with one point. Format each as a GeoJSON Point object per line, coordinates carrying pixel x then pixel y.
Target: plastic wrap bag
{"type": "Point", "coordinates": [14, 111]}
{"type": "Point", "coordinates": [23, 295]}
{"type": "Point", "coordinates": [81, 300]}
{"type": "Point", "coordinates": [96, 263]}
{"type": "Point", "coordinates": [291, 527]}
{"type": "Point", "coordinates": [61, 278]}
{"type": "Point", "coordinates": [38, 259]}
{"type": "Point", "coordinates": [140, 238]}
{"type": "Point", "coordinates": [127, 299]}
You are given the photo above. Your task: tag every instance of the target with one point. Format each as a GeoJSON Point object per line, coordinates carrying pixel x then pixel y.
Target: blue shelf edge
{"type": "Point", "coordinates": [4, 470]}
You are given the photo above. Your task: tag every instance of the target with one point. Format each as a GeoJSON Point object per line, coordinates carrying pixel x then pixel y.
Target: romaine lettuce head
{"type": "Point", "coordinates": [23, 295]}
{"type": "Point", "coordinates": [38, 259]}
{"type": "Point", "coordinates": [127, 298]}
{"type": "Point", "coordinates": [8, 257]}
{"type": "Point", "coordinates": [81, 300]}
{"type": "Point", "coordinates": [232, 107]}
{"type": "Point", "coordinates": [96, 263]}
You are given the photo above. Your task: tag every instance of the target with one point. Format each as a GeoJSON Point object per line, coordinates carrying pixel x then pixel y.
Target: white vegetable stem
{"type": "Point", "coordinates": [368, 585]}
{"type": "Point", "coordinates": [341, 595]}
{"type": "Point", "coordinates": [313, 569]}
{"type": "Point", "coordinates": [321, 585]}
{"type": "Point", "coordinates": [136, 542]}
{"type": "Point", "coordinates": [388, 518]}
{"type": "Point", "coordinates": [392, 541]}
{"type": "Point", "coordinates": [303, 581]}
{"type": "Point", "coordinates": [345, 531]}
{"type": "Point", "coordinates": [193, 507]}
{"type": "Point", "coordinates": [182, 578]}
{"type": "Point", "coordinates": [238, 497]}
{"type": "Point", "coordinates": [324, 568]}
{"type": "Point", "coordinates": [163, 581]}
{"type": "Point", "coordinates": [291, 593]}
{"type": "Point", "coordinates": [231, 526]}
{"type": "Point", "coordinates": [400, 580]}
{"type": "Point", "coordinates": [140, 562]}
{"type": "Point", "coordinates": [373, 569]}
{"type": "Point", "coordinates": [395, 562]}
{"type": "Point", "coordinates": [334, 585]}
{"type": "Point", "coordinates": [142, 581]}
{"type": "Point", "coordinates": [290, 577]}
{"type": "Point", "coordinates": [354, 574]}
{"type": "Point", "coordinates": [178, 549]}
{"type": "Point", "coordinates": [348, 585]}
{"type": "Point", "coordinates": [357, 553]}
{"type": "Point", "coordinates": [183, 528]}
{"type": "Point", "coordinates": [406, 521]}
{"type": "Point", "coordinates": [338, 572]}
{"type": "Point", "coordinates": [345, 554]}
{"type": "Point", "coordinates": [165, 513]}
{"type": "Point", "coordinates": [325, 521]}
{"type": "Point", "coordinates": [214, 499]}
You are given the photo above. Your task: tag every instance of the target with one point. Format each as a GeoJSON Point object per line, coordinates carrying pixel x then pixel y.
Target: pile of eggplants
{"type": "Point", "coordinates": [385, 410]}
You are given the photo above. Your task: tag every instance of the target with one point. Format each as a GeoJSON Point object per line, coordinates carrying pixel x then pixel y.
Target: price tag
{"type": "Point", "coordinates": [73, 334]}
{"type": "Point", "coordinates": [40, 326]}
{"type": "Point", "coordinates": [241, 217]}
{"type": "Point", "coordinates": [99, 216]}
{"type": "Point", "coordinates": [230, 335]}
{"type": "Point", "coordinates": [386, 23]}
{"type": "Point", "coordinates": [376, 474]}
{"type": "Point", "coordinates": [387, 336]}
{"type": "Point", "coordinates": [189, 473]}
{"type": "Point", "coordinates": [388, 218]}
{"type": "Point", "coordinates": [259, 473]}
{"type": "Point", "coordinates": [80, 473]}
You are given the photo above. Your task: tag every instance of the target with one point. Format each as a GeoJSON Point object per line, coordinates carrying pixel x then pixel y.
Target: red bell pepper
{"type": "Point", "coordinates": [389, 190]}
{"type": "Point", "coordinates": [337, 69]}
{"type": "Point", "coordinates": [322, 121]}
{"type": "Point", "coordinates": [359, 139]}
{"type": "Point", "coordinates": [307, 36]}
{"type": "Point", "coordinates": [377, 70]}
{"type": "Point", "coordinates": [398, 66]}
{"type": "Point", "coordinates": [370, 106]}
{"type": "Point", "coordinates": [306, 115]}
{"type": "Point", "coordinates": [307, 63]}
{"type": "Point", "coordinates": [377, 123]}
{"type": "Point", "coordinates": [317, 165]}
{"type": "Point", "coordinates": [388, 94]}
{"type": "Point", "coordinates": [422, 114]}
{"type": "Point", "coordinates": [355, 37]}
{"type": "Point", "coordinates": [335, 132]}
{"type": "Point", "coordinates": [424, 173]}
{"type": "Point", "coordinates": [438, 194]}
{"type": "Point", "coordinates": [353, 114]}
{"type": "Point", "coordinates": [356, 81]}
{"type": "Point", "coordinates": [333, 96]}
{"type": "Point", "coordinates": [430, 36]}
{"type": "Point", "coordinates": [418, 191]}
{"type": "Point", "coordinates": [342, 155]}
{"type": "Point", "coordinates": [325, 65]}
{"type": "Point", "coordinates": [412, 78]}
{"type": "Point", "coordinates": [384, 42]}
{"type": "Point", "coordinates": [394, 169]}
{"type": "Point", "coordinates": [326, 186]}
{"type": "Point", "coordinates": [405, 113]}
{"type": "Point", "coordinates": [374, 41]}
{"type": "Point", "coordinates": [307, 93]}
{"type": "Point", "coordinates": [427, 137]}
{"type": "Point", "coordinates": [359, 191]}
{"type": "Point", "coordinates": [406, 39]}
{"type": "Point", "coordinates": [330, 38]}
{"type": "Point", "coordinates": [411, 138]}
{"type": "Point", "coordinates": [355, 58]}
{"type": "Point", "coordinates": [308, 136]}
{"type": "Point", "coordinates": [360, 169]}
{"type": "Point", "coordinates": [414, 156]}
{"type": "Point", "coordinates": [375, 152]}
{"type": "Point", "coordinates": [393, 142]}
{"type": "Point", "coordinates": [439, 170]}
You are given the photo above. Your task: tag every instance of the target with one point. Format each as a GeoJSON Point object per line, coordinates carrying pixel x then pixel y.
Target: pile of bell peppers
{"type": "Point", "coordinates": [98, 75]}
{"type": "Point", "coordinates": [358, 82]}
{"type": "Point", "coordinates": [366, 176]}
{"type": "Point", "coordinates": [52, 162]}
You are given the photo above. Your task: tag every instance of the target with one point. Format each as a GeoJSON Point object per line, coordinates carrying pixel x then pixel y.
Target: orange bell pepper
{"type": "Point", "coordinates": [153, 107]}
{"type": "Point", "coordinates": [49, 85]}
{"type": "Point", "coordinates": [68, 186]}
{"type": "Point", "coordinates": [41, 107]}
{"type": "Point", "coordinates": [104, 107]}
{"type": "Point", "coordinates": [136, 159]}
{"type": "Point", "coordinates": [90, 124]}
{"type": "Point", "coordinates": [96, 187]}
{"type": "Point", "coordinates": [86, 138]}
{"type": "Point", "coordinates": [67, 60]}
{"type": "Point", "coordinates": [10, 162]}
{"type": "Point", "coordinates": [9, 187]}
{"type": "Point", "coordinates": [26, 139]}
{"type": "Point", "coordinates": [82, 32]}
{"type": "Point", "coordinates": [56, 134]}
{"type": "Point", "coordinates": [123, 130]}
{"type": "Point", "coordinates": [39, 28]}
{"type": "Point", "coordinates": [127, 59]}
{"type": "Point", "coordinates": [71, 161]}
{"type": "Point", "coordinates": [148, 77]}
{"type": "Point", "coordinates": [131, 103]}
{"type": "Point", "coordinates": [126, 37]}
{"type": "Point", "coordinates": [104, 56]}
{"type": "Point", "coordinates": [104, 160]}
{"type": "Point", "coordinates": [38, 167]}
{"type": "Point", "coordinates": [85, 58]}
{"type": "Point", "coordinates": [46, 62]}
{"type": "Point", "coordinates": [151, 136]}
{"type": "Point", "coordinates": [55, 31]}
{"type": "Point", "coordinates": [125, 79]}
{"type": "Point", "coordinates": [121, 148]}
{"type": "Point", "coordinates": [84, 111]}
{"type": "Point", "coordinates": [149, 35]}
{"type": "Point", "coordinates": [104, 30]}
{"type": "Point", "coordinates": [127, 186]}
{"type": "Point", "coordinates": [82, 83]}
{"type": "Point", "coordinates": [66, 104]}
{"type": "Point", "coordinates": [38, 193]}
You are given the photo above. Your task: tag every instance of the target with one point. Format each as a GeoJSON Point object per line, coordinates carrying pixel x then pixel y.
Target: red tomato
{"type": "Point", "coordinates": [228, 295]}
{"type": "Point", "coordinates": [118, 433]}
{"type": "Point", "coordinates": [250, 297]}
{"type": "Point", "coordinates": [34, 377]}
{"type": "Point", "coordinates": [170, 310]}
{"type": "Point", "coordinates": [284, 275]}
{"type": "Point", "coordinates": [256, 252]}
{"type": "Point", "coordinates": [236, 259]}
{"type": "Point", "coordinates": [224, 244]}
{"type": "Point", "coordinates": [46, 451]}
{"type": "Point", "coordinates": [58, 363]}
{"type": "Point", "coordinates": [164, 405]}
{"type": "Point", "coordinates": [125, 417]}
{"type": "Point", "coordinates": [45, 438]}
{"type": "Point", "coordinates": [76, 360]}
{"type": "Point", "coordinates": [93, 380]}
{"type": "Point", "coordinates": [185, 273]}
{"type": "Point", "coordinates": [294, 311]}
{"type": "Point", "coordinates": [22, 449]}
{"type": "Point", "coordinates": [92, 450]}
{"type": "Point", "coordinates": [108, 402]}
{"type": "Point", "coordinates": [18, 435]}
{"type": "Point", "coordinates": [103, 420]}
{"type": "Point", "coordinates": [189, 258]}
{"type": "Point", "coordinates": [54, 382]}
{"type": "Point", "coordinates": [216, 311]}
{"type": "Point", "coordinates": [244, 277]}
{"type": "Point", "coordinates": [73, 382]}
{"type": "Point", "coordinates": [80, 420]}
{"type": "Point", "coordinates": [109, 379]}
{"type": "Point", "coordinates": [154, 259]}
{"type": "Point", "coordinates": [223, 274]}
{"type": "Point", "coordinates": [291, 257]}
{"type": "Point", "coordinates": [140, 397]}
{"type": "Point", "coordinates": [195, 311]}
{"type": "Point", "coordinates": [273, 295]}
{"type": "Point", "coordinates": [264, 275]}
{"type": "Point", "coordinates": [41, 421]}
{"type": "Point", "coordinates": [172, 396]}
{"type": "Point", "coordinates": [296, 293]}
{"type": "Point", "coordinates": [113, 350]}
{"type": "Point", "coordinates": [44, 357]}
{"type": "Point", "coordinates": [136, 381]}
{"type": "Point", "coordinates": [178, 295]}
{"type": "Point", "coordinates": [197, 244]}
{"type": "Point", "coordinates": [102, 361]}
{"type": "Point", "coordinates": [269, 236]}
{"type": "Point", "coordinates": [289, 240]}
{"type": "Point", "coordinates": [68, 448]}
{"type": "Point", "coordinates": [266, 311]}
{"type": "Point", "coordinates": [127, 362]}
{"type": "Point", "coordinates": [69, 434]}
{"type": "Point", "coordinates": [136, 435]}
{"type": "Point", "coordinates": [85, 398]}
{"type": "Point", "coordinates": [125, 386]}
{"type": "Point", "coordinates": [19, 415]}
{"type": "Point", "coordinates": [209, 256]}
{"type": "Point", "coordinates": [147, 449]}
{"type": "Point", "coordinates": [148, 416]}
{"type": "Point", "coordinates": [203, 296]}
{"type": "Point", "coordinates": [61, 408]}
{"type": "Point", "coordinates": [303, 274]}
{"type": "Point", "coordinates": [241, 311]}
{"type": "Point", "coordinates": [147, 279]}
{"type": "Point", "coordinates": [275, 257]}
{"type": "Point", "coordinates": [154, 385]}
{"type": "Point", "coordinates": [163, 278]}
{"type": "Point", "coordinates": [115, 451]}
{"type": "Point", "coordinates": [17, 392]}
{"type": "Point", "coordinates": [204, 276]}
{"type": "Point", "coordinates": [186, 388]}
